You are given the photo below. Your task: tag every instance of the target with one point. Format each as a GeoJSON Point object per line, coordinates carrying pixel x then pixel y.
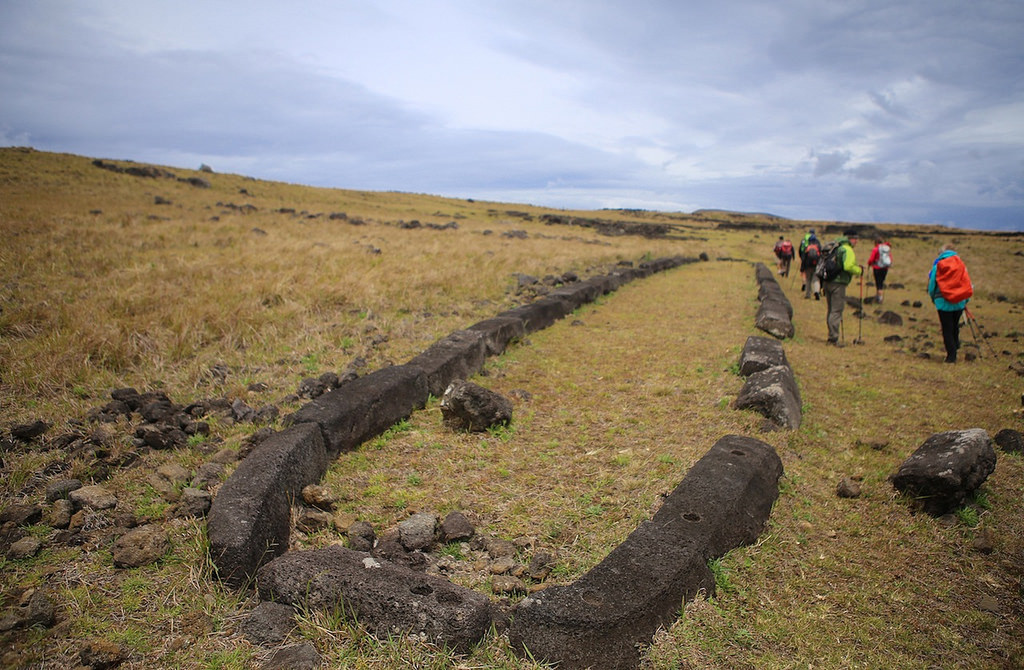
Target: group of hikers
{"type": "Point", "coordinates": [829, 269]}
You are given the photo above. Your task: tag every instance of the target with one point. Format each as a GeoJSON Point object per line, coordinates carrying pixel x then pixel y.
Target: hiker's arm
{"type": "Point", "coordinates": [850, 263]}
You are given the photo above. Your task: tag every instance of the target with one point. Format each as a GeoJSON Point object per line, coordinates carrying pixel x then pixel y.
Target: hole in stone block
{"type": "Point", "coordinates": [737, 452]}
{"type": "Point", "coordinates": [422, 589]}
{"type": "Point", "coordinates": [448, 597]}
{"type": "Point", "coordinates": [690, 516]}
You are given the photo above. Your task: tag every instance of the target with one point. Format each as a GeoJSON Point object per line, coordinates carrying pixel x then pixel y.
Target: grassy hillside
{"type": "Point", "coordinates": [235, 288]}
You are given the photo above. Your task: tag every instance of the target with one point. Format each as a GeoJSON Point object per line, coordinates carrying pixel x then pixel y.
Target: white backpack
{"type": "Point", "coordinates": [884, 255]}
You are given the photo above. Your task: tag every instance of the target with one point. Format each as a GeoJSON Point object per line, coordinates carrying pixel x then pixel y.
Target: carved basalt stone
{"type": "Point", "coordinates": [540, 314]}
{"type": "Point", "coordinates": [947, 469]}
{"type": "Point", "coordinates": [499, 332]}
{"type": "Point", "coordinates": [364, 407]}
{"type": "Point", "coordinates": [773, 393]}
{"type": "Point", "coordinates": [457, 356]}
{"type": "Point", "coordinates": [384, 597]}
{"type": "Point", "coordinates": [471, 407]}
{"type": "Point", "coordinates": [605, 618]}
{"type": "Point", "coordinates": [249, 521]}
{"type": "Point", "coordinates": [761, 353]}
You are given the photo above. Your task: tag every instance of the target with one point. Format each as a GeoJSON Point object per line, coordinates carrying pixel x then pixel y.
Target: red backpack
{"type": "Point", "coordinates": [952, 279]}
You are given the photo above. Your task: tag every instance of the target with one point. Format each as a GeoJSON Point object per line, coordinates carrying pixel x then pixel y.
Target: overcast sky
{"type": "Point", "coordinates": [849, 110]}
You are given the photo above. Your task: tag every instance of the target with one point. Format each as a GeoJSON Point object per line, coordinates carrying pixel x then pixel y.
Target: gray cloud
{"type": "Point", "coordinates": [830, 163]}
{"type": "Point", "coordinates": [864, 110]}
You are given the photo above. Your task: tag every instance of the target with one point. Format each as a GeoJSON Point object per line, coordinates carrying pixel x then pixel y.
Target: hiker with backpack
{"type": "Point", "coordinates": [784, 252]}
{"type": "Point", "coordinates": [950, 288]}
{"type": "Point", "coordinates": [837, 267]}
{"type": "Point", "coordinates": [880, 261]}
{"type": "Point", "coordinates": [810, 253]}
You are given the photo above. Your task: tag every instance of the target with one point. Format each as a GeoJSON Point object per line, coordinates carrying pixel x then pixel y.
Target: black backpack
{"type": "Point", "coordinates": [830, 265]}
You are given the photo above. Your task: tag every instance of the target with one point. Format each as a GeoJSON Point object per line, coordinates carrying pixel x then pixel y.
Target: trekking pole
{"type": "Point", "coordinates": [860, 314]}
{"type": "Point", "coordinates": [973, 333]}
{"type": "Point", "coordinates": [972, 321]}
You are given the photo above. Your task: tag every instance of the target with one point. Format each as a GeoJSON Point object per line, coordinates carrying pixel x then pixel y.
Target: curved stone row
{"type": "Point", "coordinates": [603, 619]}
{"type": "Point", "coordinates": [775, 314]}
{"type": "Point", "coordinates": [770, 388]}
{"type": "Point", "coordinates": [248, 524]}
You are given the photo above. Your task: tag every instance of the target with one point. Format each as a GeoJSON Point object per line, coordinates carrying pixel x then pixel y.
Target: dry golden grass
{"type": "Point", "coordinates": [623, 397]}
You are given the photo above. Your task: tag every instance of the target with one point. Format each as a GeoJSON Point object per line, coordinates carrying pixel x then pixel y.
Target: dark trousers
{"type": "Point", "coordinates": [950, 332]}
{"type": "Point", "coordinates": [835, 297]}
{"type": "Point", "coordinates": [880, 278]}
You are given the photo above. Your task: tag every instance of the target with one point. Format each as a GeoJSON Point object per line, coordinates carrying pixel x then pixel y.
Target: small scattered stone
{"type": "Point", "coordinates": [502, 566]}
{"type": "Point", "coordinates": [21, 515]}
{"type": "Point", "coordinates": [540, 566]}
{"type": "Point", "coordinates": [166, 489]}
{"type": "Point", "coordinates": [267, 414]}
{"type": "Point", "coordinates": [498, 548]}
{"type": "Point", "coordinates": [313, 520]}
{"type": "Point", "coordinates": [61, 488]}
{"type": "Point", "coordinates": [207, 475]}
{"type": "Point", "coordinates": [241, 412]}
{"type": "Point", "coordinates": [456, 528]}
{"type": "Point", "coordinates": [29, 431]}
{"type": "Point", "coordinates": [194, 503]}
{"type": "Point", "coordinates": [93, 497]}
{"type": "Point", "coordinates": [361, 536]}
{"type": "Point", "coordinates": [78, 519]}
{"type": "Point", "coordinates": [140, 546]}
{"type": "Point", "coordinates": [848, 488]}
{"type": "Point", "coordinates": [295, 657]}
{"type": "Point", "coordinates": [990, 605]}
{"type": "Point", "coordinates": [1010, 441]}
{"type": "Point", "coordinates": [196, 428]}
{"type": "Point", "coordinates": [174, 473]}
{"type": "Point", "coordinates": [269, 624]}
{"type": "Point", "coordinates": [417, 532]}
{"type": "Point", "coordinates": [59, 513]}
{"type": "Point", "coordinates": [26, 547]}
{"type": "Point", "coordinates": [342, 520]}
{"type": "Point", "coordinates": [984, 542]}
{"type": "Point", "coordinates": [101, 655]}
{"type": "Point", "coordinates": [890, 318]}
{"type": "Point", "coordinates": [162, 437]}
{"type": "Point", "coordinates": [320, 497]}
{"type": "Point", "coordinates": [389, 548]}
{"type": "Point", "coordinates": [225, 456]}
{"type": "Point", "coordinates": [34, 608]}
{"type": "Point", "coordinates": [507, 585]}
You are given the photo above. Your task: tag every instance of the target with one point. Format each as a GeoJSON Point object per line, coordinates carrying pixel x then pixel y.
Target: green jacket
{"type": "Point", "coordinates": [849, 261]}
